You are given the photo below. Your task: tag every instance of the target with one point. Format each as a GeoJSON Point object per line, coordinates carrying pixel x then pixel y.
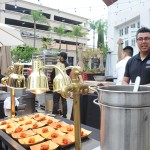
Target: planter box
{"type": "Point", "coordinates": [90, 76]}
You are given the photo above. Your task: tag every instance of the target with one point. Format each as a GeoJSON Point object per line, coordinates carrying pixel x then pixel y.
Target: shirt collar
{"type": "Point", "coordinates": [138, 56]}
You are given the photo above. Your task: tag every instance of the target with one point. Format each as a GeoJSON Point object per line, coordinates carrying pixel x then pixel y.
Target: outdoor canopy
{"type": "Point", "coordinates": [9, 36]}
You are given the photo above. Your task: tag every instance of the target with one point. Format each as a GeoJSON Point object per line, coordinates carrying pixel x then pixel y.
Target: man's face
{"type": "Point", "coordinates": [143, 42]}
{"type": "Point", "coordinates": [61, 59]}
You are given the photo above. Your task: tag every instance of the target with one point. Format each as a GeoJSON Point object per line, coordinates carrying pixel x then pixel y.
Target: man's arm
{"type": "Point", "coordinates": [147, 84]}
{"type": "Point", "coordinates": [125, 80]}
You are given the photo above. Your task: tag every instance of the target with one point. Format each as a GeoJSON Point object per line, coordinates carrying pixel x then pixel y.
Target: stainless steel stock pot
{"type": "Point", "coordinates": [125, 117]}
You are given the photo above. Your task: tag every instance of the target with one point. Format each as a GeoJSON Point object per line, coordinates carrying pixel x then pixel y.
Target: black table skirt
{"type": "Point", "coordinates": [89, 112]}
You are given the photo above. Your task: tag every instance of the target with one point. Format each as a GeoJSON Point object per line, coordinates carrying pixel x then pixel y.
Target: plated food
{"type": "Point", "coordinates": [14, 127]}
{"type": "Point", "coordinates": [48, 145]}
{"type": "Point", "coordinates": [39, 117]}
{"type": "Point", "coordinates": [50, 120]}
{"type": "Point", "coordinates": [54, 134]}
{"type": "Point", "coordinates": [65, 140]}
{"type": "Point", "coordinates": [58, 125]}
{"type": "Point", "coordinates": [27, 121]}
{"type": "Point", "coordinates": [23, 134]}
{"type": "Point", "coordinates": [6, 122]}
{"type": "Point", "coordinates": [8, 125]}
{"type": "Point", "coordinates": [31, 140]}
{"type": "Point", "coordinates": [37, 125]}
{"type": "Point", "coordinates": [41, 132]}
{"type": "Point", "coordinates": [66, 129]}
{"type": "Point", "coordinates": [84, 132]}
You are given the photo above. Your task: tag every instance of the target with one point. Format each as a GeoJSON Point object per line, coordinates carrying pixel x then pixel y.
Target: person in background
{"type": "Point", "coordinates": [126, 54]}
{"type": "Point", "coordinates": [57, 96]}
{"type": "Point", "coordinates": [139, 65]}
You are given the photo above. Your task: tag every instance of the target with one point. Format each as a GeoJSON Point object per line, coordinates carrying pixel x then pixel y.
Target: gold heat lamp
{"type": "Point", "coordinates": [61, 79]}
{"type": "Point", "coordinates": [14, 80]}
{"type": "Point", "coordinates": [37, 82]}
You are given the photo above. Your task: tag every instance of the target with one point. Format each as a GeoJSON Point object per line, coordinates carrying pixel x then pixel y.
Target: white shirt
{"type": "Point", "coordinates": [120, 69]}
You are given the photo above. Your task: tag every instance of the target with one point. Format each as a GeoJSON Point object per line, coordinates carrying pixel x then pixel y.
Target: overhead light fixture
{"type": "Point", "coordinates": [15, 4]}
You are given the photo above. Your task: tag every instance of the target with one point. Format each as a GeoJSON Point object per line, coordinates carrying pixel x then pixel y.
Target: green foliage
{"type": "Point", "coordinates": [93, 25]}
{"type": "Point", "coordinates": [35, 17]}
{"type": "Point", "coordinates": [77, 31]}
{"type": "Point", "coordinates": [60, 30]}
{"type": "Point", "coordinates": [88, 54]}
{"type": "Point", "coordinates": [104, 50]}
{"type": "Point", "coordinates": [46, 42]}
{"type": "Point", "coordinates": [102, 30]}
{"type": "Point", "coordinates": [24, 53]}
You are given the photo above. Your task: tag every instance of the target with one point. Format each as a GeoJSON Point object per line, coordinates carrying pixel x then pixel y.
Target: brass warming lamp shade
{"type": "Point", "coordinates": [37, 82]}
{"type": "Point", "coordinates": [15, 80]}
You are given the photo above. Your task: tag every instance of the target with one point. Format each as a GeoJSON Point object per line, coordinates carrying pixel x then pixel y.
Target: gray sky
{"type": "Point", "coordinates": [91, 9]}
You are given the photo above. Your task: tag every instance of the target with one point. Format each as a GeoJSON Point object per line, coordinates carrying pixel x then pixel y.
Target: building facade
{"type": "Point", "coordinates": [125, 17]}
{"type": "Point", "coordinates": [12, 10]}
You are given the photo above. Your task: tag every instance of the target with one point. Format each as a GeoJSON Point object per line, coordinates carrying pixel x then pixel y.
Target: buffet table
{"type": "Point", "coordinates": [92, 142]}
{"type": "Point", "coordinates": [89, 112]}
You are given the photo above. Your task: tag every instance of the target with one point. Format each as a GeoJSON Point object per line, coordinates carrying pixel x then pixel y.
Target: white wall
{"type": "Point", "coordinates": [121, 14]}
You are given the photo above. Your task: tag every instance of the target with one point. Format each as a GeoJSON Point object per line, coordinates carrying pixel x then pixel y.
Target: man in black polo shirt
{"type": "Point", "coordinates": [139, 65]}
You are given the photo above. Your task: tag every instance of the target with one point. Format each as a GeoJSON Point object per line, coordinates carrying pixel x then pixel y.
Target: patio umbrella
{"type": "Point", "coordinates": [9, 36]}
{"type": "Point", "coordinates": [120, 48]}
{"type": "Point", "coordinates": [5, 59]}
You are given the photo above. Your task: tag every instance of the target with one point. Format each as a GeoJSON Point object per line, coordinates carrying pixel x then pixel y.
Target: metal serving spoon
{"type": "Point", "coordinates": [137, 84]}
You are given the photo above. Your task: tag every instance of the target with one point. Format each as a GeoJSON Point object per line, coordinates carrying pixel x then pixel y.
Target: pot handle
{"type": "Point", "coordinates": [95, 101]}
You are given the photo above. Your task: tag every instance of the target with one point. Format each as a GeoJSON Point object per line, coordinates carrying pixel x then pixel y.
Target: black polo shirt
{"type": "Point", "coordinates": [136, 67]}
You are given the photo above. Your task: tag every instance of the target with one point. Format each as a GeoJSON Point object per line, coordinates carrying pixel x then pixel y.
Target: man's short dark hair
{"type": "Point", "coordinates": [128, 50]}
{"type": "Point", "coordinates": [63, 54]}
{"type": "Point", "coordinates": [142, 30]}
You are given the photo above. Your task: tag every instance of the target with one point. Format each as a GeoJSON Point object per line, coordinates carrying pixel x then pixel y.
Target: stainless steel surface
{"type": "Point", "coordinates": [124, 129]}
{"type": "Point", "coordinates": [99, 78]}
{"type": "Point", "coordinates": [125, 122]}
{"type": "Point", "coordinates": [124, 96]}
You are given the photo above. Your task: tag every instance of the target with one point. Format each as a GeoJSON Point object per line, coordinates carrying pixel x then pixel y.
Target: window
{"type": "Point", "coordinates": [138, 24]}
{"type": "Point", "coordinates": [133, 42]}
{"type": "Point", "coordinates": [126, 43]}
{"type": "Point", "coordinates": [126, 30]}
{"type": "Point", "coordinates": [70, 61]}
{"type": "Point", "coordinates": [121, 32]}
{"type": "Point", "coordinates": [133, 25]}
